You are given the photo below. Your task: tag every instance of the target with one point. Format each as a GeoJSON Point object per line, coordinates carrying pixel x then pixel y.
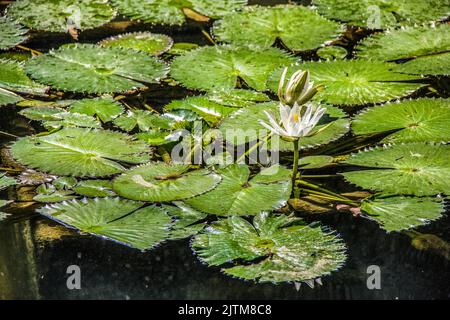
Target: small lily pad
{"type": "Point", "coordinates": [238, 194]}
{"type": "Point", "coordinates": [420, 120]}
{"type": "Point", "coordinates": [6, 181]}
{"type": "Point", "coordinates": [273, 248]}
{"type": "Point", "coordinates": [219, 67]}
{"type": "Point", "coordinates": [298, 27]}
{"type": "Point", "coordinates": [80, 152]}
{"type": "Point", "coordinates": [332, 53]}
{"type": "Point", "coordinates": [142, 119]}
{"type": "Point", "coordinates": [11, 33]}
{"type": "Point", "coordinates": [93, 69]}
{"type": "Point", "coordinates": [315, 162]}
{"type": "Point", "coordinates": [106, 108]}
{"type": "Point", "coordinates": [163, 182]}
{"type": "Point", "coordinates": [396, 213]}
{"type": "Point", "coordinates": [186, 220]}
{"type": "Point", "coordinates": [48, 193]}
{"type": "Point", "coordinates": [123, 221]}
{"type": "Point", "coordinates": [151, 43]}
{"type": "Point", "coordinates": [94, 188]}
{"type": "Point", "coordinates": [405, 169]}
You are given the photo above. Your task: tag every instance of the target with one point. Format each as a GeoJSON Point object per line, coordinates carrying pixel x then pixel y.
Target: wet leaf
{"type": "Point", "coordinates": [106, 108]}
{"type": "Point", "coordinates": [151, 43]}
{"type": "Point", "coordinates": [94, 188]}
{"type": "Point", "coordinates": [11, 33]}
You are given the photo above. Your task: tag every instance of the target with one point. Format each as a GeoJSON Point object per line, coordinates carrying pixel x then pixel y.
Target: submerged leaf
{"type": "Point", "coordinates": [80, 152]}
{"type": "Point", "coordinates": [220, 67]}
{"type": "Point", "coordinates": [171, 12]}
{"type": "Point", "coordinates": [164, 182]}
{"type": "Point", "coordinates": [421, 120]}
{"type": "Point", "coordinates": [58, 15]}
{"type": "Point", "coordinates": [151, 43]}
{"type": "Point", "coordinates": [354, 82]}
{"type": "Point", "coordinates": [381, 14]}
{"type": "Point", "coordinates": [120, 220]}
{"type": "Point", "coordinates": [237, 194]}
{"type": "Point", "coordinates": [11, 33]}
{"type": "Point", "coordinates": [298, 27]}
{"type": "Point", "coordinates": [93, 69]}
{"type": "Point", "coordinates": [271, 249]}
{"type": "Point", "coordinates": [409, 169]}
{"type": "Point", "coordinates": [397, 213]}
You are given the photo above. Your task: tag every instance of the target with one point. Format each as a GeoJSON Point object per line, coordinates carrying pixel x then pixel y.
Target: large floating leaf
{"type": "Point", "coordinates": [405, 43]}
{"type": "Point", "coordinates": [411, 169]}
{"type": "Point", "coordinates": [11, 33]}
{"type": "Point", "coordinates": [80, 152]}
{"type": "Point", "coordinates": [354, 82]}
{"type": "Point", "coordinates": [186, 220]}
{"type": "Point", "coordinates": [152, 43]}
{"type": "Point", "coordinates": [300, 28]}
{"type": "Point", "coordinates": [163, 182]}
{"type": "Point", "coordinates": [401, 213]}
{"type": "Point", "coordinates": [124, 221]}
{"type": "Point", "coordinates": [171, 11]}
{"type": "Point", "coordinates": [377, 14]}
{"type": "Point", "coordinates": [93, 69]}
{"type": "Point", "coordinates": [58, 15]}
{"type": "Point", "coordinates": [421, 120]}
{"type": "Point", "coordinates": [273, 248]}
{"type": "Point", "coordinates": [13, 80]}
{"type": "Point", "coordinates": [438, 64]}
{"type": "Point", "coordinates": [106, 109]}
{"type": "Point", "coordinates": [243, 126]}
{"type": "Point", "coordinates": [238, 194]}
{"type": "Point", "coordinates": [219, 67]}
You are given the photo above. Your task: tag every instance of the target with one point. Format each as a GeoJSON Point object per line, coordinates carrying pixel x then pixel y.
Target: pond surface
{"type": "Point", "coordinates": [36, 252]}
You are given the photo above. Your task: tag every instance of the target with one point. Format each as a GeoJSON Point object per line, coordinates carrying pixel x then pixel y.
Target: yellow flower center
{"type": "Point", "coordinates": [296, 117]}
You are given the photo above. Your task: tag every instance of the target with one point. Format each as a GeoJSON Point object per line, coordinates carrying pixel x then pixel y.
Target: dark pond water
{"type": "Point", "coordinates": [35, 252]}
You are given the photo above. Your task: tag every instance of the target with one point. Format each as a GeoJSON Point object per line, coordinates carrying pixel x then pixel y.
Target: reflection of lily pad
{"type": "Point", "coordinates": [106, 109]}
{"type": "Point", "coordinates": [117, 219]}
{"type": "Point", "coordinates": [171, 12]}
{"type": "Point", "coordinates": [80, 152]}
{"type": "Point", "coordinates": [354, 82]}
{"type": "Point", "coordinates": [93, 69]}
{"type": "Point", "coordinates": [219, 67]}
{"type": "Point", "coordinates": [238, 194]}
{"type": "Point", "coordinates": [376, 14]}
{"type": "Point", "coordinates": [164, 182]}
{"type": "Point", "coordinates": [243, 126]}
{"type": "Point", "coordinates": [11, 33]}
{"type": "Point", "coordinates": [57, 15]}
{"type": "Point", "coordinates": [405, 43]}
{"type": "Point", "coordinates": [152, 43]}
{"type": "Point", "coordinates": [401, 213]}
{"type": "Point", "coordinates": [298, 27]}
{"type": "Point", "coordinates": [410, 169]}
{"type": "Point", "coordinates": [273, 248]}
{"type": "Point", "coordinates": [420, 120]}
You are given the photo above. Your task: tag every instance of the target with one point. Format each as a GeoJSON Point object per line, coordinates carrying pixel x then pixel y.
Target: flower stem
{"type": "Point", "coordinates": [295, 165]}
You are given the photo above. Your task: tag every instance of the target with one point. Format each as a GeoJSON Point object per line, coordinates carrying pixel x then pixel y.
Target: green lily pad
{"type": "Point", "coordinates": [381, 14]}
{"type": "Point", "coordinates": [94, 188]}
{"type": "Point", "coordinates": [41, 113]}
{"type": "Point", "coordinates": [123, 221]}
{"type": "Point", "coordinates": [151, 43]}
{"type": "Point", "coordinates": [243, 126]}
{"type": "Point", "coordinates": [405, 169]}
{"type": "Point", "coordinates": [64, 183]}
{"type": "Point", "coordinates": [80, 152]}
{"type": "Point", "coordinates": [48, 193]}
{"type": "Point", "coordinates": [315, 162]}
{"type": "Point", "coordinates": [273, 248]}
{"type": "Point", "coordinates": [421, 120]}
{"type": "Point", "coordinates": [93, 69]}
{"type": "Point", "coordinates": [298, 27]}
{"type": "Point", "coordinates": [155, 137]}
{"type": "Point", "coordinates": [106, 108]}
{"type": "Point", "coordinates": [171, 12]}
{"type": "Point", "coordinates": [164, 182]}
{"type": "Point", "coordinates": [397, 213]}
{"type": "Point", "coordinates": [186, 220]}
{"type": "Point", "coordinates": [182, 47]}
{"type": "Point", "coordinates": [238, 194]}
{"type": "Point", "coordinates": [57, 15]}
{"type": "Point", "coordinates": [438, 64]}
{"type": "Point", "coordinates": [405, 43]}
{"type": "Point", "coordinates": [219, 67]}
{"type": "Point", "coordinates": [6, 181]}
{"type": "Point", "coordinates": [3, 203]}
{"type": "Point", "coordinates": [143, 119]}
{"type": "Point", "coordinates": [354, 82]}
{"type": "Point", "coordinates": [13, 80]}
{"type": "Point", "coordinates": [332, 53]}
{"type": "Point", "coordinates": [53, 118]}
{"type": "Point", "coordinates": [11, 33]}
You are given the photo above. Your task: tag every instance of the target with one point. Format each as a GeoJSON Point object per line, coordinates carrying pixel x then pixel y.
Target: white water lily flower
{"type": "Point", "coordinates": [299, 89]}
{"type": "Point", "coordinates": [294, 125]}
